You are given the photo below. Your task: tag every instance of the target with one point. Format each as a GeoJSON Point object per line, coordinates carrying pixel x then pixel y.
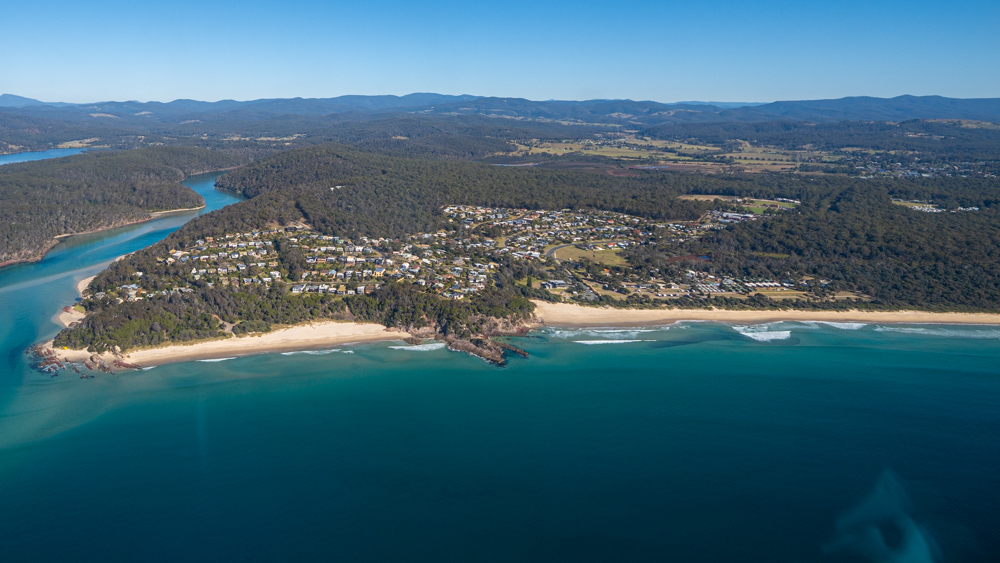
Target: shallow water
{"type": "Point", "coordinates": [691, 442]}
{"type": "Point", "coordinates": [31, 294]}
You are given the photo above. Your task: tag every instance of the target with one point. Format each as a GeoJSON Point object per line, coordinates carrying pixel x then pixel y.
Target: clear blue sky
{"type": "Point", "coordinates": [82, 51]}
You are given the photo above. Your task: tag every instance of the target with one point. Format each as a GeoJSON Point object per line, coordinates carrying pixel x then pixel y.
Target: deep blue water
{"type": "Point", "coordinates": [694, 442]}
{"type": "Point", "coordinates": [38, 155]}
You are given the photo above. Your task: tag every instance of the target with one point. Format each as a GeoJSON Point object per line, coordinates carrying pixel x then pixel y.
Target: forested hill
{"type": "Point", "coordinates": [618, 112]}
{"type": "Point", "coordinates": [390, 196]}
{"type": "Point", "coordinates": [43, 199]}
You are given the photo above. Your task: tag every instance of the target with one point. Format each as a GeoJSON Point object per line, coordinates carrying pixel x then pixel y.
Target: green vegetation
{"type": "Point", "coordinates": [845, 245]}
{"type": "Point", "coordinates": [44, 199]}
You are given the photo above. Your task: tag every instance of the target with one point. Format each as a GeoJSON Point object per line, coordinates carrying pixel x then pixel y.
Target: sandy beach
{"type": "Point", "coordinates": [564, 314]}
{"type": "Point", "coordinates": [315, 336]}
{"type": "Point", "coordinates": [65, 317]}
{"type": "Point", "coordinates": [322, 335]}
{"type": "Point", "coordinates": [82, 284]}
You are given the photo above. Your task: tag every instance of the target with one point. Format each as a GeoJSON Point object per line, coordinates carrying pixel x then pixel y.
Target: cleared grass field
{"type": "Point", "coordinates": [606, 257]}
{"type": "Point", "coordinates": [914, 204]}
{"type": "Point", "coordinates": [701, 197]}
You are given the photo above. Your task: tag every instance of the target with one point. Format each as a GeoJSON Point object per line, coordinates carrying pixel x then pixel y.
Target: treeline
{"type": "Point", "coordinates": [43, 199]}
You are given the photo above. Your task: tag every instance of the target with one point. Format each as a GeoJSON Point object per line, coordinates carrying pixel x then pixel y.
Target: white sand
{"type": "Point", "coordinates": [65, 318]}
{"type": "Point", "coordinates": [564, 314]}
{"type": "Point", "coordinates": [82, 284]}
{"type": "Point", "coordinates": [313, 336]}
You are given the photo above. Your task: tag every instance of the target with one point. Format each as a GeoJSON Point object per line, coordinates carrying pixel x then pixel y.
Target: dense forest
{"type": "Point", "coordinates": [861, 242]}
{"type": "Point", "coordinates": [43, 199]}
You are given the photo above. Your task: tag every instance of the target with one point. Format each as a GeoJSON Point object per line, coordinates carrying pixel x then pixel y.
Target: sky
{"type": "Point", "coordinates": [87, 51]}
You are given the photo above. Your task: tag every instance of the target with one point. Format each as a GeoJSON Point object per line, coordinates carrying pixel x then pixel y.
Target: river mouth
{"type": "Point", "coordinates": [31, 293]}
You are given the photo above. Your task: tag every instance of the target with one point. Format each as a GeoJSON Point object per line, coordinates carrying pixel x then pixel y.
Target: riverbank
{"type": "Point", "coordinates": [40, 255]}
{"type": "Point", "coordinates": [564, 314]}
{"type": "Point", "coordinates": [82, 285]}
{"type": "Point", "coordinates": [315, 336]}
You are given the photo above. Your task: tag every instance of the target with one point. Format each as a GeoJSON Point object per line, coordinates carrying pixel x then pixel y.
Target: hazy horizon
{"type": "Point", "coordinates": [686, 101]}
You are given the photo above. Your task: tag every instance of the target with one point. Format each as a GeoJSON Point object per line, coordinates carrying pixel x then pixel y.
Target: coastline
{"type": "Point", "coordinates": [314, 336]}
{"type": "Point", "coordinates": [565, 314]}
{"type": "Point", "coordinates": [325, 334]}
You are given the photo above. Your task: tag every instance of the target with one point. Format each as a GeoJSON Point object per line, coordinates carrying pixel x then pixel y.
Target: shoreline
{"type": "Point", "coordinates": [64, 317]}
{"type": "Point", "coordinates": [297, 338]}
{"type": "Point", "coordinates": [565, 314]}
{"type": "Point", "coordinates": [59, 238]}
{"type": "Point", "coordinates": [82, 285]}
{"type": "Point", "coordinates": [322, 335]}
{"type": "Point", "coordinates": [152, 215]}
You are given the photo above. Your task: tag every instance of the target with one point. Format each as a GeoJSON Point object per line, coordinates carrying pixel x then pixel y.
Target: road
{"type": "Point", "coordinates": [551, 253]}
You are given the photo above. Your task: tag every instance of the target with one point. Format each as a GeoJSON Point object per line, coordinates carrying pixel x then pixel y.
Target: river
{"type": "Point", "coordinates": [38, 155]}
{"type": "Point", "coordinates": [31, 294]}
{"type": "Point", "coordinates": [690, 442]}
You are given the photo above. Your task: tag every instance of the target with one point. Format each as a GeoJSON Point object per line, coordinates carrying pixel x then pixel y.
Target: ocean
{"type": "Point", "coordinates": [786, 442]}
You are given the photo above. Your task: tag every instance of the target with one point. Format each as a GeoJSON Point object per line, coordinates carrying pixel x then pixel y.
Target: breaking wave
{"type": "Point", "coordinates": [943, 332]}
{"type": "Point", "coordinates": [844, 326]}
{"type": "Point", "coordinates": [761, 333]}
{"type": "Point", "coordinates": [591, 342]}
{"type": "Point", "coordinates": [607, 333]}
{"type": "Point", "coordinates": [311, 352]}
{"type": "Point", "coordinates": [218, 359]}
{"type": "Point", "coordinates": [421, 347]}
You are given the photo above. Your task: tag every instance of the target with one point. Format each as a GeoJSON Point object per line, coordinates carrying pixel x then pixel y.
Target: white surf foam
{"type": "Point", "coordinates": [607, 333]}
{"type": "Point", "coordinates": [218, 359]}
{"type": "Point", "coordinates": [311, 352]}
{"type": "Point", "coordinates": [844, 326]}
{"type": "Point", "coordinates": [421, 347]}
{"type": "Point", "coordinates": [980, 334]}
{"type": "Point", "coordinates": [592, 342]}
{"type": "Point", "coordinates": [761, 333]}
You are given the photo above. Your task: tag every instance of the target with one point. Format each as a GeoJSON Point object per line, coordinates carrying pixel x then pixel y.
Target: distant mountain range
{"type": "Point", "coordinates": [12, 101]}
{"type": "Point", "coordinates": [619, 112]}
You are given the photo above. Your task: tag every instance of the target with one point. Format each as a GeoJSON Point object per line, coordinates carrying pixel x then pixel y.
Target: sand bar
{"type": "Point", "coordinates": [315, 336]}
{"type": "Point", "coordinates": [564, 314]}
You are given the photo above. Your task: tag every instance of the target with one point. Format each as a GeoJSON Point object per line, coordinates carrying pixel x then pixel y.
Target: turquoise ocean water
{"type": "Point", "coordinates": [691, 442]}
